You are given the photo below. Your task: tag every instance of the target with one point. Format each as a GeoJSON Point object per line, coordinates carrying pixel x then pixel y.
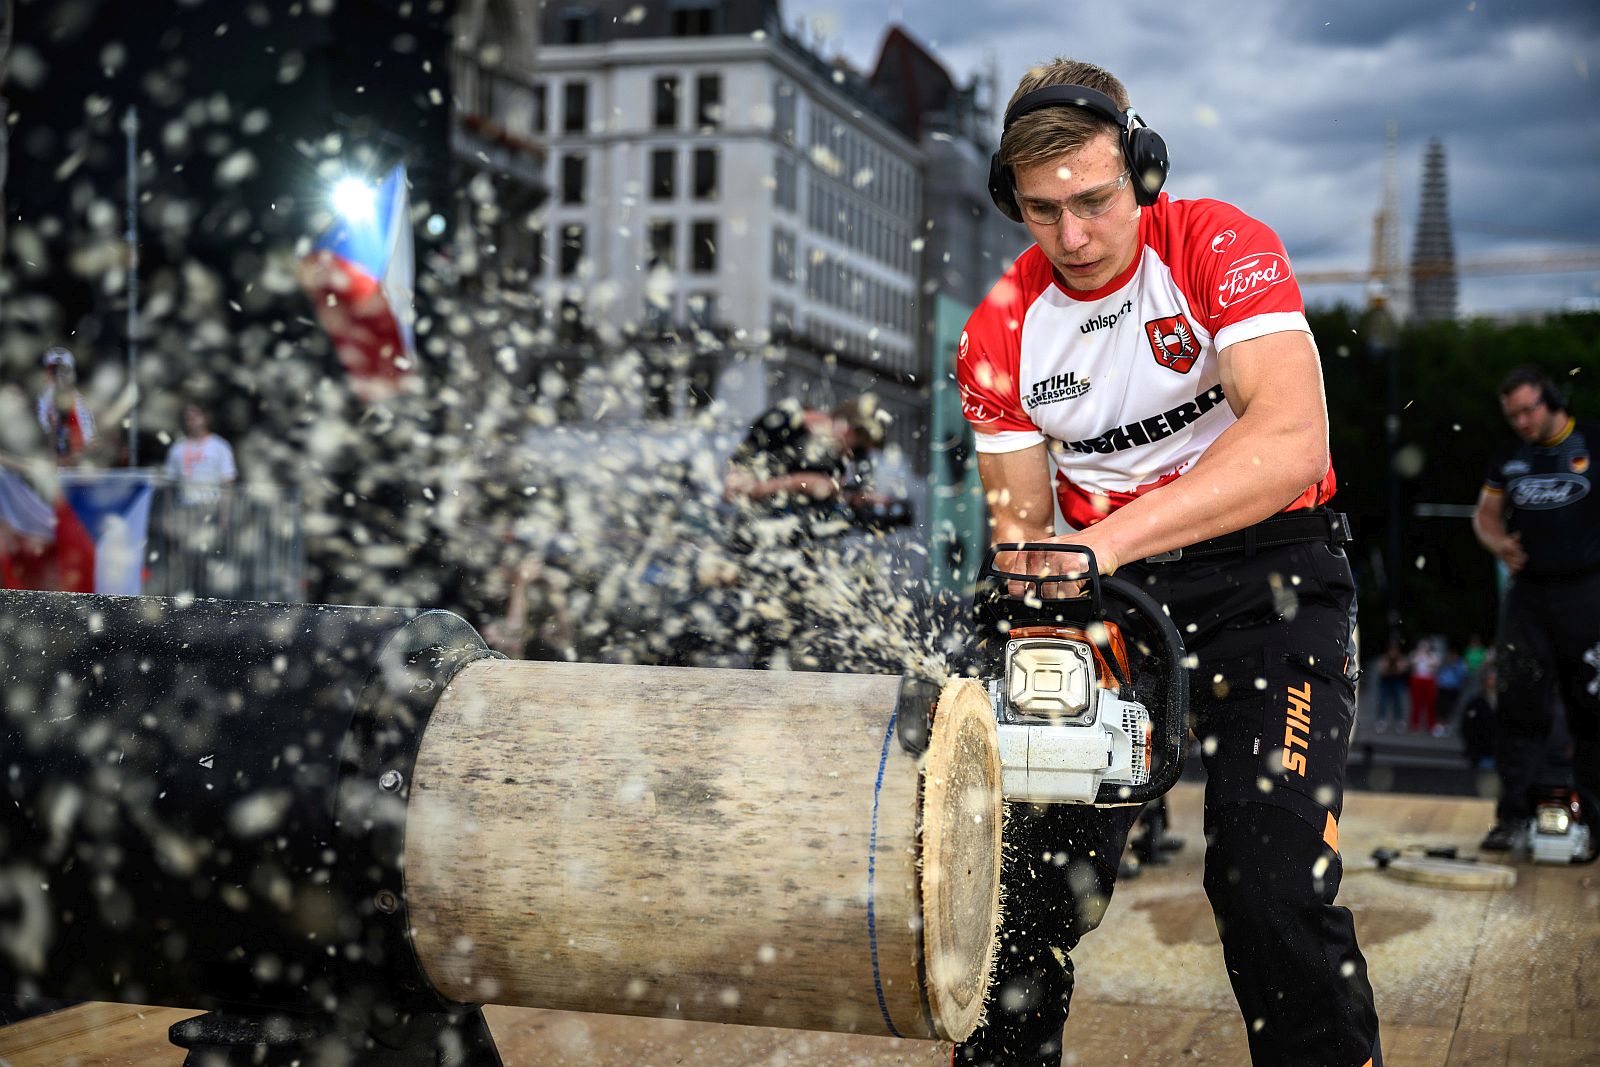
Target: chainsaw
{"type": "Point", "coordinates": [1557, 832]}
{"type": "Point", "coordinates": [1073, 727]}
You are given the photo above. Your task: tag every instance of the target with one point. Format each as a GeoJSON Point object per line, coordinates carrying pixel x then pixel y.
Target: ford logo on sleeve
{"type": "Point", "coordinates": [1546, 492]}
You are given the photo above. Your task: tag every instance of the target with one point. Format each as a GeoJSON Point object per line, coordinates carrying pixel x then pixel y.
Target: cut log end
{"type": "Point", "coordinates": [961, 857]}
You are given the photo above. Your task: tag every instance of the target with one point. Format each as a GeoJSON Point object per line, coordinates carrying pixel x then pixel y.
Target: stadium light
{"type": "Point", "coordinates": [355, 200]}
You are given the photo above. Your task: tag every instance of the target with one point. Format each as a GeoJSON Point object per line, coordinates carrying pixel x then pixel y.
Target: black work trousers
{"type": "Point", "coordinates": [1548, 644]}
{"type": "Point", "coordinates": [1272, 703]}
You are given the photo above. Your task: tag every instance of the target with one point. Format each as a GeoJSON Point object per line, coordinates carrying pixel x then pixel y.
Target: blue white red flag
{"type": "Point", "coordinates": [114, 508]}
{"type": "Point", "coordinates": [91, 540]}
{"type": "Point", "coordinates": [359, 275]}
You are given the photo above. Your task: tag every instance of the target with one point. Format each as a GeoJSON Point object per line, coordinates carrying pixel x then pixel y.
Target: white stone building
{"type": "Point", "coordinates": [730, 183]}
{"type": "Point", "coordinates": [741, 218]}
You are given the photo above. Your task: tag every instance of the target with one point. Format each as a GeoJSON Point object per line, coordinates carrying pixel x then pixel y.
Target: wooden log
{"type": "Point", "coordinates": [1452, 874]}
{"type": "Point", "coordinates": [719, 845]}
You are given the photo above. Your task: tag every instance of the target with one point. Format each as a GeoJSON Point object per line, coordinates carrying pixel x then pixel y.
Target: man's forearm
{"type": "Point", "coordinates": [1247, 475]}
{"type": "Point", "coordinates": [1489, 526]}
{"type": "Point", "coordinates": [1006, 527]}
{"type": "Point", "coordinates": [1019, 495]}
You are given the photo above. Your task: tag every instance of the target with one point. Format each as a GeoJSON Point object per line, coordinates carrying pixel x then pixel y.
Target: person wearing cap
{"type": "Point", "coordinates": [63, 412]}
{"type": "Point", "coordinates": [1146, 371]}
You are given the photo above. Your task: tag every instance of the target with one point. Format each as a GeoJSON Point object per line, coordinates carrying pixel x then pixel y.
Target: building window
{"type": "Point", "coordinates": [702, 309]}
{"type": "Point", "coordinates": [703, 247]}
{"type": "Point", "coordinates": [663, 239]}
{"type": "Point", "coordinates": [541, 108]}
{"type": "Point", "coordinates": [657, 316]}
{"type": "Point", "coordinates": [571, 250]}
{"type": "Point", "coordinates": [785, 193]}
{"type": "Point", "coordinates": [783, 255]}
{"type": "Point", "coordinates": [701, 383]}
{"type": "Point", "coordinates": [705, 173]}
{"type": "Point", "coordinates": [536, 252]}
{"type": "Point", "coordinates": [572, 326]}
{"type": "Point", "coordinates": [708, 100]}
{"type": "Point", "coordinates": [481, 95]}
{"type": "Point", "coordinates": [573, 168]}
{"type": "Point", "coordinates": [666, 108]}
{"type": "Point", "coordinates": [695, 19]}
{"type": "Point", "coordinates": [575, 107]}
{"type": "Point", "coordinates": [783, 112]}
{"type": "Point", "coordinates": [782, 318]}
{"type": "Point", "coordinates": [575, 25]}
{"type": "Point", "coordinates": [663, 174]}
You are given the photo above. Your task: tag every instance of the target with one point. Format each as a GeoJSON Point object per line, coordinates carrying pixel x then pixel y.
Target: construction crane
{"type": "Point", "coordinates": [1509, 263]}
{"type": "Point", "coordinates": [1385, 277]}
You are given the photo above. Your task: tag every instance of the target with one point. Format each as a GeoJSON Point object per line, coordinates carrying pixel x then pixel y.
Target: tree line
{"type": "Point", "coordinates": [1448, 425]}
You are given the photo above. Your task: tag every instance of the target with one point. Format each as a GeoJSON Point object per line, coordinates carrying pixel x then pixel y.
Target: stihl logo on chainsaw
{"type": "Point", "coordinates": [1172, 341]}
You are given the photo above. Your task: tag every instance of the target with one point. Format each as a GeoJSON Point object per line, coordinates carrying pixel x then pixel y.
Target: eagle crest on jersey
{"type": "Point", "coordinates": [1172, 340]}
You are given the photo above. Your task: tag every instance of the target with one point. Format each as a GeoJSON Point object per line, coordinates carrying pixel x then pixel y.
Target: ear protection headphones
{"type": "Point", "coordinates": [1555, 398]}
{"type": "Point", "coordinates": [1551, 394]}
{"type": "Point", "coordinates": [1142, 147]}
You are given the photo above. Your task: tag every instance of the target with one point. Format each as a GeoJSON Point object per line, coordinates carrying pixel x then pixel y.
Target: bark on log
{"type": "Point", "coordinates": [729, 846]}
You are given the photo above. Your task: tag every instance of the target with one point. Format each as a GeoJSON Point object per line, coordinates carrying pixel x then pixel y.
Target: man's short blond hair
{"type": "Point", "coordinates": [1042, 135]}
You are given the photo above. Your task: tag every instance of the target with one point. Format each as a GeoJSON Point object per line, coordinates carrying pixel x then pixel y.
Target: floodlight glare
{"type": "Point", "coordinates": [355, 200]}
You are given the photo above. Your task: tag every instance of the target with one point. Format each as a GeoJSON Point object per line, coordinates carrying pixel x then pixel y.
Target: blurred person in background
{"type": "Point", "coordinates": [201, 461]}
{"type": "Point", "coordinates": [1424, 686]}
{"type": "Point", "coordinates": [1539, 514]}
{"type": "Point", "coordinates": [1394, 675]}
{"type": "Point", "coordinates": [63, 410]}
{"type": "Point", "coordinates": [1476, 656]}
{"type": "Point", "coordinates": [200, 517]}
{"type": "Point", "coordinates": [1452, 680]}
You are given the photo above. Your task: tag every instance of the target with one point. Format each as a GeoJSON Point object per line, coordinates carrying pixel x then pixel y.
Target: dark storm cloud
{"type": "Point", "coordinates": [1281, 108]}
{"type": "Point", "coordinates": [1373, 23]}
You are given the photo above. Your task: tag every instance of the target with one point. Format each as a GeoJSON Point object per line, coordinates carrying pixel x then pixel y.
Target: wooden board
{"type": "Point", "coordinates": [1506, 977]}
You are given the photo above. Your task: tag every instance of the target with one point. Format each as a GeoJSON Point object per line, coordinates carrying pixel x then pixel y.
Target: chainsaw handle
{"type": "Point", "coordinates": [1173, 743]}
{"type": "Point", "coordinates": [1091, 576]}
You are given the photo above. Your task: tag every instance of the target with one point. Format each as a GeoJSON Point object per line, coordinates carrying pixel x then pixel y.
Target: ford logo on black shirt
{"type": "Point", "coordinates": [1547, 491]}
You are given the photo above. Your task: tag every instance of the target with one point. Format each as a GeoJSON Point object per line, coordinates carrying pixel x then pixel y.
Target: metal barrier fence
{"type": "Point", "coordinates": [234, 542]}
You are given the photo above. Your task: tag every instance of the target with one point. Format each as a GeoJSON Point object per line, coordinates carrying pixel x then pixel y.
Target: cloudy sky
{"type": "Point", "coordinates": [1280, 107]}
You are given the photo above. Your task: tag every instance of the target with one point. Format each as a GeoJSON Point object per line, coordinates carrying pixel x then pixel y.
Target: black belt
{"type": "Point", "coordinates": [1294, 528]}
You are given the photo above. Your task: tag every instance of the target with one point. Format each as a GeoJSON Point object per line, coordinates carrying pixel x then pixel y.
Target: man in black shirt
{"type": "Point", "coordinates": [1539, 513]}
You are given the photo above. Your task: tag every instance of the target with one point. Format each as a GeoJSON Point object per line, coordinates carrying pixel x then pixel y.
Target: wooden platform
{"type": "Point", "coordinates": [1463, 978]}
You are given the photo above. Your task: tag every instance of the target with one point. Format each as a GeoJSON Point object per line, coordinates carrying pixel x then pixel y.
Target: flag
{"type": "Point", "coordinates": [113, 508]}
{"type": "Point", "coordinates": [90, 540]}
{"type": "Point", "coordinates": [359, 275]}
{"type": "Point", "coordinates": [27, 535]}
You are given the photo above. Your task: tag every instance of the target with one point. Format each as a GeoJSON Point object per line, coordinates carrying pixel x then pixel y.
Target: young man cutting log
{"type": "Point", "coordinates": [1146, 370]}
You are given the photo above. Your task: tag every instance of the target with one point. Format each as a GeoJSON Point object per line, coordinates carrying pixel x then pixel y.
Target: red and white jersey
{"type": "Point", "coordinates": [1123, 381]}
